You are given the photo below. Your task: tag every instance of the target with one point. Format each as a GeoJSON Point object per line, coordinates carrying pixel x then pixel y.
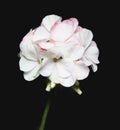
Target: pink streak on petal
{"type": "Point", "coordinates": [64, 30]}
{"type": "Point", "coordinates": [56, 23]}
{"type": "Point", "coordinates": [76, 60]}
{"type": "Point", "coordinates": [78, 28]}
{"type": "Point", "coordinates": [54, 26]}
{"type": "Point", "coordinates": [73, 22]}
{"type": "Point", "coordinates": [43, 49]}
{"type": "Point", "coordinates": [58, 20]}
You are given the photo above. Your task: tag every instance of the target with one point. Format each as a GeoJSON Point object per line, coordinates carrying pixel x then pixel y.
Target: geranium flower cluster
{"type": "Point", "coordinates": [60, 50]}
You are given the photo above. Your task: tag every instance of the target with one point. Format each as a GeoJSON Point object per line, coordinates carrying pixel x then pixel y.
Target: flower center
{"type": "Point", "coordinates": [57, 59]}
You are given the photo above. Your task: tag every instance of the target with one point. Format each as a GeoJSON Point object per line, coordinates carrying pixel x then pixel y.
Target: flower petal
{"type": "Point", "coordinates": [85, 37]}
{"type": "Point", "coordinates": [55, 52]}
{"type": "Point", "coordinates": [26, 65]}
{"type": "Point", "coordinates": [54, 76]}
{"type": "Point", "coordinates": [94, 67]}
{"type": "Point", "coordinates": [41, 34]}
{"type": "Point", "coordinates": [72, 51]}
{"type": "Point", "coordinates": [81, 71]}
{"type": "Point", "coordinates": [62, 70]}
{"type": "Point", "coordinates": [91, 56]}
{"type": "Point", "coordinates": [63, 31]}
{"type": "Point", "coordinates": [28, 48]}
{"type": "Point", "coordinates": [77, 52]}
{"type": "Point", "coordinates": [62, 75]}
{"type": "Point", "coordinates": [46, 45]}
{"type": "Point", "coordinates": [73, 22]}
{"type": "Point", "coordinates": [33, 74]}
{"type": "Point", "coordinates": [47, 67]}
{"type": "Point", "coordinates": [92, 53]}
{"type": "Point", "coordinates": [86, 61]}
{"type": "Point", "coordinates": [67, 82]}
{"type": "Point", "coordinates": [50, 20]}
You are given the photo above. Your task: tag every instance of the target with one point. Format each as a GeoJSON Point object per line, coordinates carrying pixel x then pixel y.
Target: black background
{"type": "Point", "coordinates": [24, 101]}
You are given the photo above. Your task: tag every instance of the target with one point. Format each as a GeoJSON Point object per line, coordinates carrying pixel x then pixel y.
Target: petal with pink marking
{"type": "Point", "coordinates": [73, 22]}
{"type": "Point", "coordinates": [63, 31]}
{"type": "Point", "coordinates": [50, 20]}
{"type": "Point", "coordinates": [46, 45]}
{"type": "Point", "coordinates": [75, 37]}
{"type": "Point", "coordinates": [41, 34]}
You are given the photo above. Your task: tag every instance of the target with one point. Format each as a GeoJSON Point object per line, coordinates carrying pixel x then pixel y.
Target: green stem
{"type": "Point", "coordinates": [44, 117]}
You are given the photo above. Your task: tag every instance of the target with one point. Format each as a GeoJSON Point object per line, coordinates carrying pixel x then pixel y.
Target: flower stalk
{"type": "Point", "coordinates": [44, 117]}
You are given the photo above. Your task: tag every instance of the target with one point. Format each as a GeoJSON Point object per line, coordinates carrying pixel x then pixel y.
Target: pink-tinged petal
{"type": "Point", "coordinates": [46, 45]}
{"type": "Point", "coordinates": [73, 40]}
{"type": "Point", "coordinates": [50, 20]}
{"type": "Point", "coordinates": [73, 22]}
{"type": "Point", "coordinates": [63, 31]}
{"type": "Point", "coordinates": [28, 49]}
{"type": "Point", "coordinates": [33, 74]}
{"type": "Point", "coordinates": [27, 65]}
{"type": "Point", "coordinates": [81, 71]}
{"type": "Point", "coordinates": [92, 53]}
{"type": "Point", "coordinates": [85, 37]}
{"type": "Point", "coordinates": [78, 28]}
{"type": "Point", "coordinates": [47, 67]}
{"type": "Point", "coordinates": [75, 37]}
{"type": "Point", "coordinates": [41, 34]}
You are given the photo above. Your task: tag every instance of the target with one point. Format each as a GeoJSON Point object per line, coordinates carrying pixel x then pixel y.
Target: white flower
{"type": "Point", "coordinates": [59, 50]}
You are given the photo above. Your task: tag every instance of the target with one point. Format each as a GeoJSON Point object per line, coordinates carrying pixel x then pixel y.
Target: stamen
{"type": "Point", "coordinates": [57, 59]}
{"type": "Point", "coordinates": [39, 60]}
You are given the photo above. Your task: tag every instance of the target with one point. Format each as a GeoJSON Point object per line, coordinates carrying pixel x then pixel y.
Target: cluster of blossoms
{"type": "Point", "coordinates": [59, 50]}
